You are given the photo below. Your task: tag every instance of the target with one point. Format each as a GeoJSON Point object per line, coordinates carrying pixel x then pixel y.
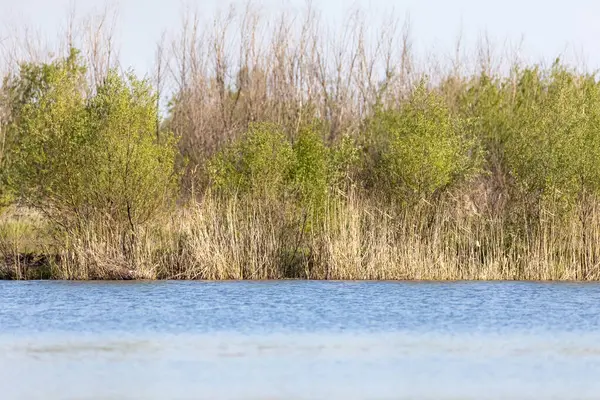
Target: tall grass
{"type": "Point", "coordinates": [223, 239]}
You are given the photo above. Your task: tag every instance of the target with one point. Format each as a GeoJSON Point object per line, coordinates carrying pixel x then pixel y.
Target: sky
{"type": "Point", "coordinates": [547, 28]}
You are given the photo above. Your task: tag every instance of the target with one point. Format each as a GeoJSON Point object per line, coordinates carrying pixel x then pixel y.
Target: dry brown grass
{"type": "Point", "coordinates": [23, 245]}
{"type": "Point", "coordinates": [222, 239]}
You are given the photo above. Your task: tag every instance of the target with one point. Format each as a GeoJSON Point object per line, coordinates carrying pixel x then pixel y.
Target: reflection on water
{"type": "Point", "coordinates": [299, 340]}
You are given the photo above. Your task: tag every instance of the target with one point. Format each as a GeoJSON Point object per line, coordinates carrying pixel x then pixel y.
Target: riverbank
{"type": "Point", "coordinates": [353, 240]}
{"type": "Point", "coordinates": [279, 169]}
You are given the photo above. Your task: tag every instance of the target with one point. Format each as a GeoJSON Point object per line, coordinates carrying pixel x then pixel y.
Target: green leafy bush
{"type": "Point", "coordinates": [345, 160]}
{"type": "Point", "coordinates": [84, 154]}
{"type": "Point", "coordinates": [421, 148]}
{"type": "Point", "coordinates": [5, 193]}
{"type": "Point", "coordinates": [485, 103]}
{"type": "Point", "coordinates": [310, 178]}
{"type": "Point", "coordinates": [554, 148]}
{"type": "Point", "coordinates": [259, 164]}
{"type": "Point", "coordinates": [264, 163]}
{"type": "Point", "coordinates": [133, 163]}
{"type": "Point", "coordinates": [49, 133]}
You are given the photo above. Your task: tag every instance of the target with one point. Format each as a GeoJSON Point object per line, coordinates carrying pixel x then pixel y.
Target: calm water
{"type": "Point", "coordinates": [299, 340]}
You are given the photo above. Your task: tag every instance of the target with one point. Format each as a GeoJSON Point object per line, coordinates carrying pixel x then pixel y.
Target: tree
{"type": "Point", "coordinates": [420, 149]}
{"type": "Point", "coordinates": [83, 153]}
{"type": "Point", "coordinates": [553, 147]}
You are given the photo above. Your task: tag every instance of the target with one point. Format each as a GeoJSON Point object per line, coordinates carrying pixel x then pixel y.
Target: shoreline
{"type": "Point", "coordinates": [37, 271]}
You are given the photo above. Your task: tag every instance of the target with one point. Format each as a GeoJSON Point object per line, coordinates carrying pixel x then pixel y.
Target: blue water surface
{"type": "Point", "coordinates": [299, 340]}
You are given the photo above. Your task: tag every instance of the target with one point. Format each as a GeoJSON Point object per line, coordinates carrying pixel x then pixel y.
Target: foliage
{"type": "Point", "coordinates": [485, 103]}
{"type": "Point", "coordinates": [293, 199]}
{"type": "Point", "coordinates": [48, 130]}
{"type": "Point", "coordinates": [133, 162]}
{"type": "Point", "coordinates": [310, 170]}
{"type": "Point", "coordinates": [6, 196]}
{"type": "Point", "coordinates": [553, 148]}
{"type": "Point", "coordinates": [421, 148]}
{"type": "Point", "coordinates": [264, 163]}
{"type": "Point", "coordinates": [259, 164]}
{"type": "Point", "coordinates": [86, 154]}
{"type": "Point", "coordinates": [344, 163]}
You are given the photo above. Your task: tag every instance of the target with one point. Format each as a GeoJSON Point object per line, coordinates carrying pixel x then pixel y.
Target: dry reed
{"type": "Point", "coordinates": [224, 239]}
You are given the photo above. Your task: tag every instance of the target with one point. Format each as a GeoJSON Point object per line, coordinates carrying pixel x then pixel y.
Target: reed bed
{"type": "Point", "coordinates": [229, 239]}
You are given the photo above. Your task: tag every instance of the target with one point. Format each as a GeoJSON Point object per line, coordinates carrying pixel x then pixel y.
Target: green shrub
{"type": "Point", "coordinates": [310, 180]}
{"type": "Point", "coordinates": [5, 192]}
{"type": "Point", "coordinates": [344, 163]}
{"type": "Point", "coordinates": [49, 132]}
{"type": "Point", "coordinates": [421, 148]}
{"type": "Point", "coordinates": [259, 164]}
{"type": "Point", "coordinates": [485, 103]}
{"type": "Point", "coordinates": [80, 156]}
{"type": "Point", "coordinates": [265, 163]}
{"type": "Point", "coordinates": [133, 164]}
{"type": "Point", "coordinates": [553, 148]}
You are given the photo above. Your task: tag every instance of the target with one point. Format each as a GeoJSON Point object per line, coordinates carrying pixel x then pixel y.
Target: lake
{"type": "Point", "coordinates": [299, 340]}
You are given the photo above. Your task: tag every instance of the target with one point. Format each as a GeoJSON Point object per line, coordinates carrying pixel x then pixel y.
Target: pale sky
{"type": "Point", "coordinates": [549, 28]}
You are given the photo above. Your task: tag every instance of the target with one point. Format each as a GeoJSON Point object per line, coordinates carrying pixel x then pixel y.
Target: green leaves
{"type": "Point", "coordinates": [310, 169]}
{"type": "Point", "coordinates": [84, 153]}
{"type": "Point", "coordinates": [420, 148]}
{"type": "Point", "coordinates": [259, 164]}
{"type": "Point", "coordinates": [416, 151]}
{"type": "Point", "coordinates": [81, 152]}
{"type": "Point", "coordinates": [133, 167]}
{"type": "Point", "coordinates": [49, 124]}
{"type": "Point", "coordinates": [553, 147]}
{"type": "Point", "coordinates": [265, 164]}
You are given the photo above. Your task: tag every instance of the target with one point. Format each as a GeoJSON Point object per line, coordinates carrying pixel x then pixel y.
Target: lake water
{"type": "Point", "coordinates": [299, 340]}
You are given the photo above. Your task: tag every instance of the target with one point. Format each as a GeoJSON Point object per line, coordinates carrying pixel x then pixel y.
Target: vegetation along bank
{"type": "Point", "coordinates": [284, 156]}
